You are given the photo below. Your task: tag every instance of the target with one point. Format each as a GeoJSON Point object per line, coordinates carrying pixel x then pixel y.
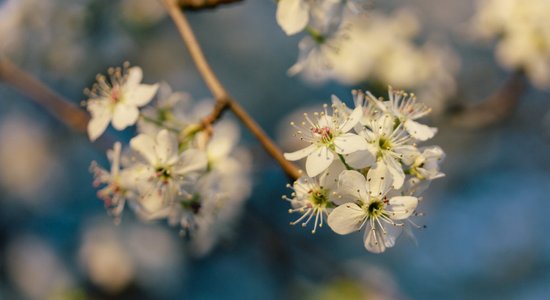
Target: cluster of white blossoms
{"type": "Point", "coordinates": [523, 32]}
{"type": "Point", "coordinates": [173, 169]}
{"type": "Point", "coordinates": [350, 44]}
{"type": "Point", "coordinates": [364, 168]}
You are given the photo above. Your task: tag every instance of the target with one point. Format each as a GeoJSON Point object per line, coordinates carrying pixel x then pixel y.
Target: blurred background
{"type": "Point", "coordinates": [487, 220]}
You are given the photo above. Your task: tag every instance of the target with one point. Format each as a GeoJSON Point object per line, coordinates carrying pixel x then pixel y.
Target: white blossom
{"type": "Point", "coordinates": [314, 198]}
{"type": "Point", "coordinates": [405, 108]}
{"type": "Point", "coordinates": [381, 216]}
{"type": "Point", "coordinates": [391, 145]}
{"type": "Point", "coordinates": [328, 136]}
{"type": "Point", "coordinates": [164, 171]}
{"type": "Point", "coordinates": [116, 189]}
{"type": "Point", "coordinates": [117, 100]}
{"type": "Point", "coordinates": [522, 29]}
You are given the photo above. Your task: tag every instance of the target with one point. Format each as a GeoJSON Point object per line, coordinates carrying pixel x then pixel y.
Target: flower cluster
{"type": "Point", "coordinates": [363, 166]}
{"type": "Point", "coordinates": [174, 170]}
{"type": "Point", "coordinates": [340, 46]}
{"type": "Point", "coordinates": [523, 32]}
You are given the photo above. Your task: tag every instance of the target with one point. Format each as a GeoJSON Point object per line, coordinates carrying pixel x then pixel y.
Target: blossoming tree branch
{"type": "Point", "coordinates": [366, 164]}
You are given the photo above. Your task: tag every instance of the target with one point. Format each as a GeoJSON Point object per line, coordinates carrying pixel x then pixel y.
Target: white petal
{"type": "Point", "coordinates": [135, 74]}
{"type": "Point", "coordinates": [145, 145]}
{"type": "Point", "coordinates": [318, 161]}
{"type": "Point", "coordinates": [292, 15]}
{"type": "Point", "coordinates": [349, 142]}
{"type": "Point", "coordinates": [373, 239]}
{"type": "Point", "coordinates": [97, 125]}
{"type": "Point", "coordinates": [166, 147]}
{"type": "Point", "coordinates": [191, 161]}
{"type": "Point", "coordinates": [352, 119]}
{"type": "Point", "coordinates": [346, 218]}
{"type": "Point", "coordinates": [353, 183]}
{"type": "Point", "coordinates": [396, 171]}
{"type": "Point", "coordinates": [297, 155]}
{"type": "Point", "coordinates": [360, 159]}
{"type": "Point", "coordinates": [402, 207]}
{"type": "Point", "coordinates": [419, 131]}
{"type": "Point", "coordinates": [329, 178]}
{"type": "Point", "coordinates": [378, 180]}
{"type": "Point", "coordinates": [385, 125]}
{"type": "Point", "coordinates": [124, 116]}
{"type": "Point", "coordinates": [141, 94]}
{"type": "Point", "coordinates": [379, 239]}
{"type": "Point", "coordinates": [407, 153]}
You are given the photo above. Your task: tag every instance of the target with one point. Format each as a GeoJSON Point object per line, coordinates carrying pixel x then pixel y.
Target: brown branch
{"type": "Point", "coordinates": [56, 105]}
{"type": "Point", "coordinates": [203, 4]}
{"type": "Point", "coordinates": [223, 100]}
{"type": "Point", "coordinates": [495, 108]}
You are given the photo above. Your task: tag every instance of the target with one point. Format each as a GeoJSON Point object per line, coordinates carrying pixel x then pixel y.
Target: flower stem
{"type": "Point", "coordinates": [223, 99]}
{"type": "Point", "coordinates": [158, 123]}
{"type": "Point", "coordinates": [343, 160]}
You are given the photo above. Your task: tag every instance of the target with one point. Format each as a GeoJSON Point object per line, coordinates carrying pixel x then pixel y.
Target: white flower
{"type": "Point", "coordinates": [314, 197]}
{"type": "Point", "coordinates": [391, 145]}
{"type": "Point", "coordinates": [426, 164]}
{"type": "Point", "coordinates": [372, 207]}
{"type": "Point", "coordinates": [170, 110]}
{"type": "Point", "coordinates": [327, 135]}
{"type": "Point", "coordinates": [116, 190]}
{"type": "Point", "coordinates": [406, 109]}
{"type": "Point", "coordinates": [522, 30]}
{"type": "Point", "coordinates": [117, 100]}
{"type": "Point", "coordinates": [165, 172]}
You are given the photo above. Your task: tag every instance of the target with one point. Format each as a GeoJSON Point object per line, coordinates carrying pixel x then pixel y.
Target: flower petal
{"type": "Point", "coordinates": [145, 145]}
{"type": "Point", "coordinates": [346, 218]}
{"type": "Point", "coordinates": [378, 180]}
{"type": "Point", "coordinates": [166, 147]}
{"type": "Point", "coordinates": [292, 15]}
{"type": "Point", "coordinates": [354, 184]}
{"type": "Point", "coordinates": [352, 119]}
{"type": "Point", "coordinates": [191, 161]}
{"type": "Point", "coordinates": [124, 116]}
{"type": "Point", "coordinates": [373, 239]}
{"type": "Point", "coordinates": [141, 94]}
{"type": "Point", "coordinates": [329, 178]}
{"type": "Point", "coordinates": [377, 240]}
{"type": "Point", "coordinates": [135, 75]}
{"type": "Point", "coordinates": [419, 131]}
{"type": "Point", "coordinates": [318, 161]}
{"type": "Point", "coordinates": [401, 207]}
{"type": "Point", "coordinates": [360, 159]}
{"type": "Point", "coordinates": [349, 142]}
{"type": "Point", "coordinates": [97, 125]}
{"type": "Point", "coordinates": [396, 171]}
{"type": "Point", "coordinates": [297, 155]}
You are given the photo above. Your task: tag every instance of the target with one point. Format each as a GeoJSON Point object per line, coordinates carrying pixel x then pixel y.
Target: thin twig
{"type": "Point", "coordinates": [223, 100]}
{"type": "Point", "coordinates": [203, 4]}
{"type": "Point", "coordinates": [55, 104]}
{"type": "Point", "coordinates": [495, 108]}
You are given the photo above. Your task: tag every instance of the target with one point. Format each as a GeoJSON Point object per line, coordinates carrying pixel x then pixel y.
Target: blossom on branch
{"type": "Point", "coordinates": [376, 183]}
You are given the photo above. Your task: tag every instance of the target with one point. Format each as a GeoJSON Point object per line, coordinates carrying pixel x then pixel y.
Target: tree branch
{"type": "Point", "coordinates": [203, 4]}
{"type": "Point", "coordinates": [495, 108]}
{"type": "Point", "coordinates": [56, 105]}
{"type": "Point", "coordinates": [223, 99]}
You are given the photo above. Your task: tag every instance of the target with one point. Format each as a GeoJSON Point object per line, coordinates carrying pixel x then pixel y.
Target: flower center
{"type": "Point", "coordinates": [116, 94]}
{"type": "Point", "coordinates": [325, 133]}
{"type": "Point", "coordinates": [384, 143]}
{"type": "Point", "coordinates": [318, 197]}
{"type": "Point", "coordinates": [374, 209]}
{"type": "Point", "coordinates": [163, 173]}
